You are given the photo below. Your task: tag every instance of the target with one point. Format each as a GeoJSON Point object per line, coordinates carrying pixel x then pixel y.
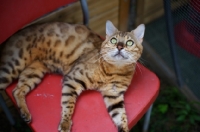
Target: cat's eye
{"type": "Point", "coordinates": [113, 40]}
{"type": "Point", "coordinates": [129, 43]}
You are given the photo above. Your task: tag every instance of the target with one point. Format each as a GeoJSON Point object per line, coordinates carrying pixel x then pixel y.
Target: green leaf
{"type": "Point", "coordinates": [195, 102]}
{"type": "Point", "coordinates": [197, 118]}
{"type": "Point", "coordinates": [181, 118]}
{"type": "Point", "coordinates": [188, 108]}
{"type": "Point", "coordinates": [192, 121]}
{"type": "Point", "coordinates": [163, 108]}
{"type": "Point", "coordinates": [182, 112]}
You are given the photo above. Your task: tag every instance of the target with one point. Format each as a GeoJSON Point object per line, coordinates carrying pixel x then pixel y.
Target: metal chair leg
{"type": "Point", "coordinates": [6, 110]}
{"type": "Point", "coordinates": [147, 119]}
{"type": "Point", "coordinates": [85, 12]}
{"type": "Point", "coordinates": [170, 34]}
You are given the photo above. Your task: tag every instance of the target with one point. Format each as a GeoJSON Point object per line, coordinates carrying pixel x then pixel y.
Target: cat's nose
{"type": "Point", "coordinates": [120, 46]}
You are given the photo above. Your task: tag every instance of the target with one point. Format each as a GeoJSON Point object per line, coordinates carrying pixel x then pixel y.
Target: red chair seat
{"type": "Point", "coordinates": [90, 112]}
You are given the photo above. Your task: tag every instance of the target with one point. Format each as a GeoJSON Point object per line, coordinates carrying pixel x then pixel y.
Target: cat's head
{"type": "Point", "coordinates": [122, 48]}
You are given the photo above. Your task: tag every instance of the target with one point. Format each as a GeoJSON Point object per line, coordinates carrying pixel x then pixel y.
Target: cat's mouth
{"type": "Point", "coordinates": [120, 55]}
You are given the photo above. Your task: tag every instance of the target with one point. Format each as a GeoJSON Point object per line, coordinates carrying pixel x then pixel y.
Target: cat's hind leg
{"type": "Point", "coordinates": [28, 80]}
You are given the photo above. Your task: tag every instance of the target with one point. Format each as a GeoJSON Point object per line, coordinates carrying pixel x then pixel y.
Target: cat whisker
{"type": "Point", "coordinates": [100, 57]}
{"type": "Point", "coordinates": [97, 55]}
{"type": "Point", "coordinates": [133, 65]}
{"type": "Point", "coordinates": [139, 68]}
{"type": "Point", "coordinates": [110, 50]}
{"type": "Point", "coordinates": [93, 57]}
{"type": "Point", "coordinates": [142, 61]}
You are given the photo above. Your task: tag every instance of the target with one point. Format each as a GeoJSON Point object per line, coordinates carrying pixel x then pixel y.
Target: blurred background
{"type": "Point", "coordinates": [171, 50]}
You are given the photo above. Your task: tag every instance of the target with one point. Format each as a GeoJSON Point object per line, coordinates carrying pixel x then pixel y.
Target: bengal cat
{"type": "Point", "coordinates": [82, 57]}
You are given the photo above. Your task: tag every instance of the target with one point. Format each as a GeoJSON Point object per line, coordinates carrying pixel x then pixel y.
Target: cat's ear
{"type": "Point", "coordinates": [110, 28]}
{"type": "Point", "coordinates": [139, 32]}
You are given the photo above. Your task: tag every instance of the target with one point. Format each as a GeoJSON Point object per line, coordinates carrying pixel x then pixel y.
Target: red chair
{"type": "Point", "coordinates": [44, 102]}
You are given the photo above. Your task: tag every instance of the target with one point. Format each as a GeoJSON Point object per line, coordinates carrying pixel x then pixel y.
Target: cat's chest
{"type": "Point", "coordinates": [95, 78]}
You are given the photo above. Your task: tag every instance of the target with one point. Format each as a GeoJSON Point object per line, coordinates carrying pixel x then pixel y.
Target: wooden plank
{"type": "Point", "coordinates": [102, 26]}
{"type": "Point", "coordinates": [149, 10]}
{"type": "Point", "coordinates": [101, 30]}
{"type": "Point", "coordinates": [139, 11]}
{"type": "Point", "coordinates": [105, 16]}
{"type": "Point", "coordinates": [124, 6]}
{"type": "Point", "coordinates": [100, 20]}
{"type": "Point", "coordinates": [152, 5]}
{"type": "Point", "coordinates": [101, 6]}
{"type": "Point", "coordinates": [73, 13]}
{"type": "Point", "coordinates": [150, 16]}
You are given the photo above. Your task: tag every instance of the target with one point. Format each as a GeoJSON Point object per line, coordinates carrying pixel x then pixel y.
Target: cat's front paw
{"type": "Point", "coordinates": [65, 126]}
{"type": "Point", "coordinates": [123, 128]}
{"type": "Point", "coordinates": [25, 115]}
